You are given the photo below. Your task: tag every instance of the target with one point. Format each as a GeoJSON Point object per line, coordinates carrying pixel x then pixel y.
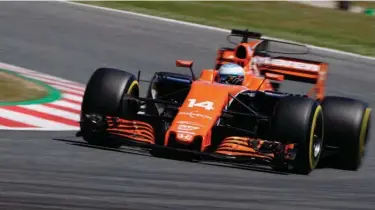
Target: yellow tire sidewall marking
{"type": "Point", "coordinates": [313, 125]}
{"type": "Point", "coordinates": [364, 125]}
{"type": "Point", "coordinates": [132, 85]}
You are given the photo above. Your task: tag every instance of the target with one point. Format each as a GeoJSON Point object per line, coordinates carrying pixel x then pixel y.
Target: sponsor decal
{"type": "Point", "coordinates": [286, 63]}
{"type": "Point", "coordinates": [187, 127]}
{"type": "Point", "coordinates": [186, 137]}
{"type": "Point", "coordinates": [189, 123]}
{"type": "Point", "coordinates": [192, 133]}
{"type": "Point", "coordinates": [195, 115]}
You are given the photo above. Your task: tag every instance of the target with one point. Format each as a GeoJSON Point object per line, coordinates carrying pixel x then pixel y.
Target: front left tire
{"type": "Point", "coordinates": [104, 96]}
{"type": "Point", "coordinates": [299, 121]}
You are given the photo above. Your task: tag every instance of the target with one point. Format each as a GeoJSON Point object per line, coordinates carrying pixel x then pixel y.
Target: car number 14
{"type": "Point", "coordinates": [208, 105]}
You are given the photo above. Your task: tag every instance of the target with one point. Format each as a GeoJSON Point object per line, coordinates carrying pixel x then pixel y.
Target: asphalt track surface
{"type": "Point", "coordinates": [54, 170]}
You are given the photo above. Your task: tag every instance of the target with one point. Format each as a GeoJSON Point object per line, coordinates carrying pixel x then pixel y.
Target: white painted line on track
{"type": "Point", "coordinates": [60, 115]}
{"type": "Point", "coordinates": [42, 129]}
{"type": "Point", "coordinates": [68, 89]}
{"type": "Point", "coordinates": [33, 120]}
{"type": "Point", "coordinates": [52, 111]}
{"type": "Point", "coordinates": [67, 104]}
{"type": "Point", "coordinates": [59, 83]}
{"type": "Point", "coordinates": [26, 72]}
{"type": "Point", "coordinates": [72, 97]}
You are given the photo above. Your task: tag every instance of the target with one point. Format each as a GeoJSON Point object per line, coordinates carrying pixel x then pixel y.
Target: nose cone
{"type": "Point", "coordinates": [188, 131]}
{"type": "Point", "coordinates": [200, 112]}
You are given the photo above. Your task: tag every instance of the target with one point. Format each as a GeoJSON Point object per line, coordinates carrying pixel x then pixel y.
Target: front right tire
{"type": "Point", "coordinates": [347, 125]}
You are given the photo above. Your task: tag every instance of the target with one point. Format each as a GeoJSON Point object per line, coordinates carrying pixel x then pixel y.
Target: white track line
{"type": "Point", "coordinates": [4, 127]}
{"type": "Point", "coordinates": [35, 121]}
{"type": "Point", "coordinates": [207, 27]}
{"type": "Point", "coordinates": [25, 72]}
{"type": "Point", "coordinates": [68, 89]}
{"type": "Point", "coordinates": [70, 86]}
{"type": "Point", "coordinates": [52, 111]}
{"type": "Point", "coordinates": [72, 97]}
{"type": "Point", "coordinates": [50, 77]}
{"type": "Point", "coordinates": [41, 129]}
{"type": "Point", "coordinates": [67, 104]}
{"type": "Point", "coordinates": [64, 118]}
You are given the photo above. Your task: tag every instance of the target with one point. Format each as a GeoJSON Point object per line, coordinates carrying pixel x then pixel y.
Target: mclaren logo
{"type": "Point", "coordinates": [194, 115]}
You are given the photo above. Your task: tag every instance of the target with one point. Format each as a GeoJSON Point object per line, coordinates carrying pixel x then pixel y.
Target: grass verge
{"type": "Point", "coordinates": [16, 89]}
{"type": "Point", "coordinates": [317, 26]}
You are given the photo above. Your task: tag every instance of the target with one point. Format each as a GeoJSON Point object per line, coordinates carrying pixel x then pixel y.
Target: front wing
{"type": "Point", "coordinates": [233, 148]}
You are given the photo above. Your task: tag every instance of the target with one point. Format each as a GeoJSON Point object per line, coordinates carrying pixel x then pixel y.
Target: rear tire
{"type": "Point", "coordinates": [104, 96]}
{"type": "Point", "coordinates": [347, 124]}
{"type": "Point", "coordinates": [300, 121]}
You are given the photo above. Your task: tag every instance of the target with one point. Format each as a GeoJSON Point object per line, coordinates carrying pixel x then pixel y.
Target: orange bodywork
{"type": "Point", "coordinates": [198, 114]}
{"type": "Point", "coordinates": [294, 69]}
{"type": "Point", "coordinates": [243, 146]}
{"type": "Point", "coordinates": [204, 105]}
{"type": "Point", "coordinates": [248, 147]}
{"type": "Point", "coordinates": [206, 100]}
{"type": "Point", "coordinates": [132, 129]}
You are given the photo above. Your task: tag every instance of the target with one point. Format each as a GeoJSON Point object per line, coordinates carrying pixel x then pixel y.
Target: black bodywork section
{"type": "Point", "coordinates": [173, 87]}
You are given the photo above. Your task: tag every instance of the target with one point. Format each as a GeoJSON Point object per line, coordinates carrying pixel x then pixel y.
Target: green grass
{"type": "Point", "coordinates": [17, 89]}
{"type": "Point", "coordinates": [317, 26]}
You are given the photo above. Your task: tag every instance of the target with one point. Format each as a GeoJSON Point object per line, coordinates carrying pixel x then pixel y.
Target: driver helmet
{"type": "Point", "coordinates": [231, 73]}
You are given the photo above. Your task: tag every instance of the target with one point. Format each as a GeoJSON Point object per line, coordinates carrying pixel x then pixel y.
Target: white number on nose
{"type": "Point", "coordinates": [208, 105]}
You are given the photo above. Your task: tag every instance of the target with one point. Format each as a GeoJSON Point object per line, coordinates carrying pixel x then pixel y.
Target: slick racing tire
{"type": "Point", "coordinates": [347, 125]}
{"type": "Point", "coordinates": [104, 96]}
{"type": "Point", "coordinates": [299, 121]}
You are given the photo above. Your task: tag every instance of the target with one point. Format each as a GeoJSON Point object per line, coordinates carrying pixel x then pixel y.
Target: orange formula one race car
{"type": "Point", "coordinates": [229, 113]}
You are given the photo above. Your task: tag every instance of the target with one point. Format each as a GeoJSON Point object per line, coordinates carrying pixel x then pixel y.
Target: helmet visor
{"type": "Point", "coordinates": [227, 77]}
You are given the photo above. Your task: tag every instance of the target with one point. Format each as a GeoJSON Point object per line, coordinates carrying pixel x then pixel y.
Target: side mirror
{"type": "Point", "coordinates": [276, 77]}
{"type": "Point", "coordinates": [184, 63]}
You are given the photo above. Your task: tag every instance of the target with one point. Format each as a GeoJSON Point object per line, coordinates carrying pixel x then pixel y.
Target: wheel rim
{"type": "Point", "coordinates": [317, 146]}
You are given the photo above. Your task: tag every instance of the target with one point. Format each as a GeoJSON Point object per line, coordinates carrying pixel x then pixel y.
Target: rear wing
{"type": "Point", "coordinates": [294, 69]}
